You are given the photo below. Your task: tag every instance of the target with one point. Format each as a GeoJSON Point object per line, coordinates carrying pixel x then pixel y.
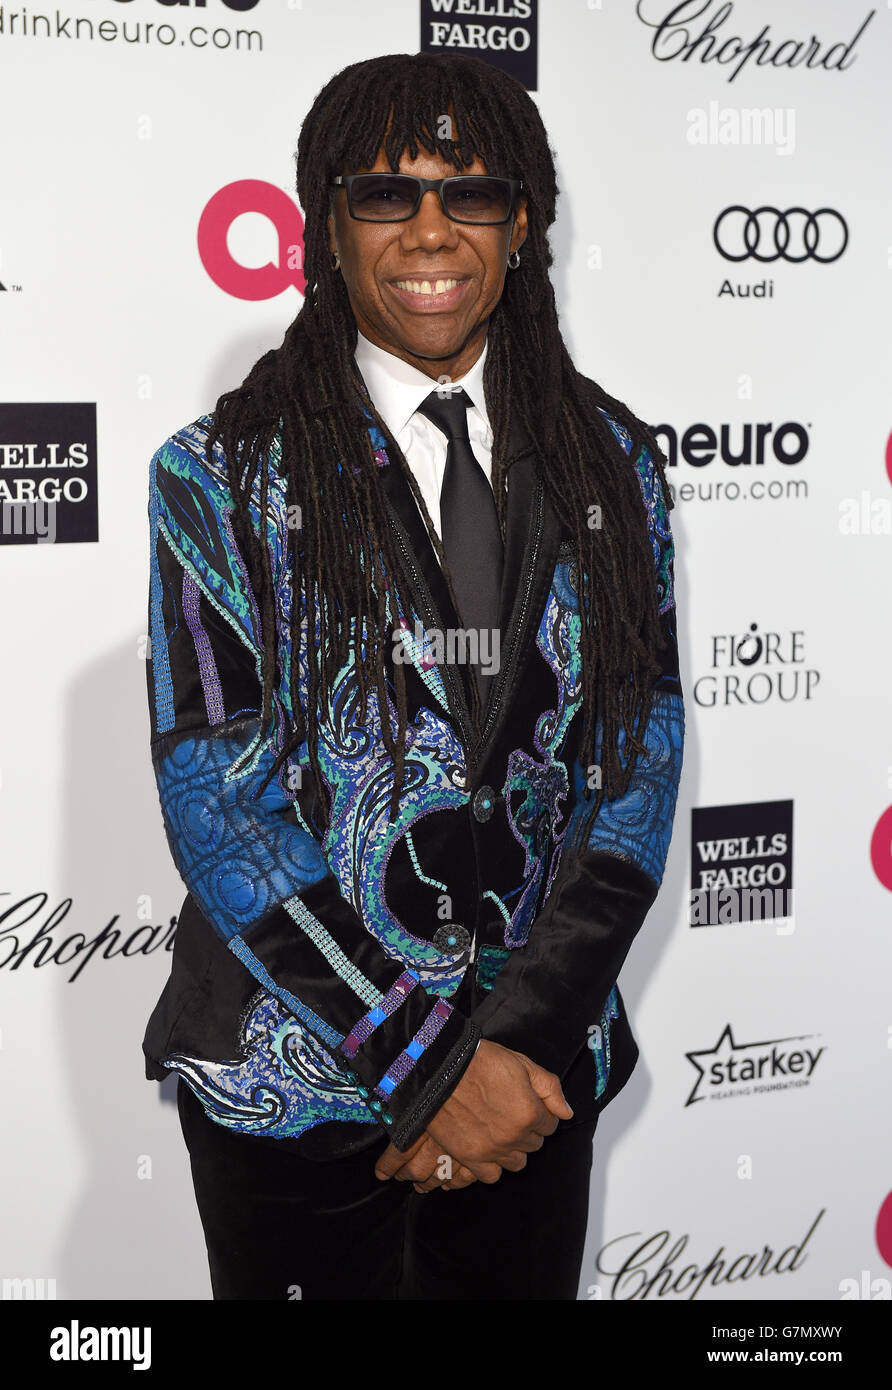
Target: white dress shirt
{"type": "Point", "coordinates": [397, 390]}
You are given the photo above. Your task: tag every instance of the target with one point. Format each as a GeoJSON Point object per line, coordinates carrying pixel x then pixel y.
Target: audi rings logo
{"type": "Point", "coordinates": [767, 234]}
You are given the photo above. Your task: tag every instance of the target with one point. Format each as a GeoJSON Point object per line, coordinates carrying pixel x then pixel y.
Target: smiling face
{"type": "Point", "coordinates": [385, 265]}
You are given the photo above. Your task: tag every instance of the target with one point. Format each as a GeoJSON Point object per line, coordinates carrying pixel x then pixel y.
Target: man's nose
{"type": "Point", "coordinates": [430, 217]}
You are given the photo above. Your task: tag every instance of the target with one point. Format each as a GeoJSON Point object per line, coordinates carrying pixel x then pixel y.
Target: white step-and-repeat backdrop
{"type": "Point", "coordinates": [724, 263]}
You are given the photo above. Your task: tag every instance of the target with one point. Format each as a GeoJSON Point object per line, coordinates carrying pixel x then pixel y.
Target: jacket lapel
{"type": "Point", "coordinates": [532, 535]}
{"type": "Point", "coordinates": [532, 538]}
{"type": "Point", "coordinates": [404, 507]}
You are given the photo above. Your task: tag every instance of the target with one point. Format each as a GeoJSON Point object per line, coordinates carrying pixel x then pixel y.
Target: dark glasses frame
{"type": "Point", "coordinates": [346, 181]}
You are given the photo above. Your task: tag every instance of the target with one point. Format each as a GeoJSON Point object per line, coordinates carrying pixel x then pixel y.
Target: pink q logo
{"type": "Point", "coordinates": [252, 282]}
{"type": "Point", "coordinates": [881, 849]}
{"type": "Point", "coordinates": [889, 456]}
{"type": "Point", "coordinates": [884, 1230]}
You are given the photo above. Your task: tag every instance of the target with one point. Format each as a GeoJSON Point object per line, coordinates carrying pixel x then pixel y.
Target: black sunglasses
{"type": "Point", "coordinates": [475, 198]}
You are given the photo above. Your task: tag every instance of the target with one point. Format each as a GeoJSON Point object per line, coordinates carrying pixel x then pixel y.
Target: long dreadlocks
{"type": "Point", "coordinates": [344, 559]}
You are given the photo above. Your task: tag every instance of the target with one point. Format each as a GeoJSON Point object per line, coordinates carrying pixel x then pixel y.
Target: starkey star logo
{"type": "Point", "coordinates": [733, 1069]}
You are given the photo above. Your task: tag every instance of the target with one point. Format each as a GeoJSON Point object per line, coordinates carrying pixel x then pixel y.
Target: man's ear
{"type": "Point", "coordinates": [332, 239]}
{"type": "Point", "coordinates": [519, 230]}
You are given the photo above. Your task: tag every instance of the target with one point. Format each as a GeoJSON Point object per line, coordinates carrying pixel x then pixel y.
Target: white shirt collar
{"type": "Point", "coordinates": [398, 389]}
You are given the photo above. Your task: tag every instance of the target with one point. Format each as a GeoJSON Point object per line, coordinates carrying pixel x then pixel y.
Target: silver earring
{"type": "Point", "coordinates": [514, 260]}
{"type": "Point", "coordinates": [335, 260]}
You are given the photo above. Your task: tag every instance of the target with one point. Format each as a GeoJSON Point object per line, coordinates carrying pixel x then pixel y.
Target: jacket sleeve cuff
{"type": "Point", "coordinates": [420, 1077]}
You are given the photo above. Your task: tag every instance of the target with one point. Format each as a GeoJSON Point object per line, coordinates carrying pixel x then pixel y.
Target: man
{"type": "Point", "coordinates": [416, 726]}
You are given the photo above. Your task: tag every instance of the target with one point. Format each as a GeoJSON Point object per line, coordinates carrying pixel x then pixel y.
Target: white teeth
{"type": "Point", "coordinates": [424, 286]}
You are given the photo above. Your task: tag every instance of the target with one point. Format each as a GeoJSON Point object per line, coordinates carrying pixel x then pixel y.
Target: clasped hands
{"type": "Point", "coordinates": [503, 1108]}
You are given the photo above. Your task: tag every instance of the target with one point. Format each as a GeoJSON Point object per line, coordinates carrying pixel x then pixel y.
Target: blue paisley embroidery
{"type": "Point", "coordinates": [286, 1084]}
{"type": "Point", "coordinates": [545, 784]}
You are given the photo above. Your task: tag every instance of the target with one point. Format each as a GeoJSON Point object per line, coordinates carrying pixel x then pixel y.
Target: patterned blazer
{"type": "Point", "coordinates": [331, 978]}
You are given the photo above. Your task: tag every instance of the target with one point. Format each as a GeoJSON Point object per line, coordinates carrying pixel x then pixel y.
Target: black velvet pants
{"type": "Point", "coordinates": [278, 1226]}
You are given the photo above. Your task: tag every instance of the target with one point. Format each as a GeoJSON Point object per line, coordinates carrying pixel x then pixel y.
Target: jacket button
{"type": "Point", "coordinates": [484, 803]}
{"type": "Point", "coordinates": [451, 939]}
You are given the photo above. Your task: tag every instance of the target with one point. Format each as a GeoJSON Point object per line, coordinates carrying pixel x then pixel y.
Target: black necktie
{"type": "Point", "coordinates": [469, 526]}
